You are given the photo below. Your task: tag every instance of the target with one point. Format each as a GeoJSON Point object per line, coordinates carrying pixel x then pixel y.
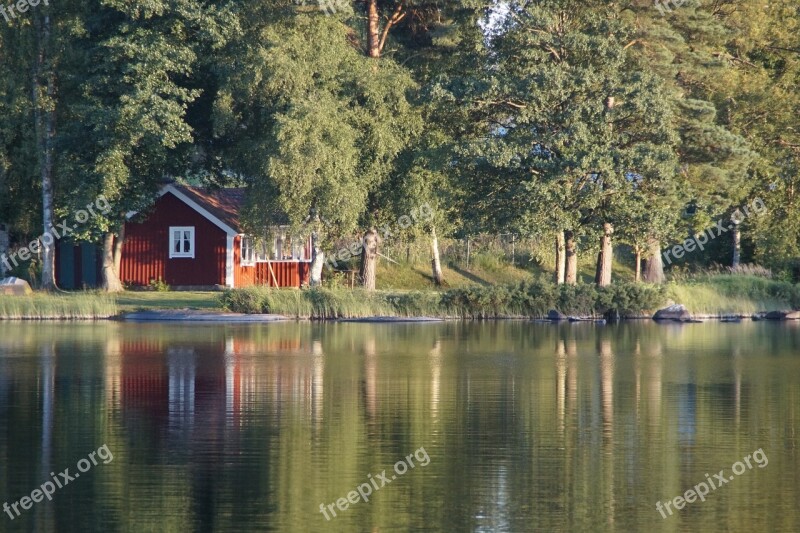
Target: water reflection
{"type": "Point", "coordinates": [528, 426]}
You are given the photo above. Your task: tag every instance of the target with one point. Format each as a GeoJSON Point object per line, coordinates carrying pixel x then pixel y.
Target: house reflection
{"type": "Point", "coordinates": [162, 383]}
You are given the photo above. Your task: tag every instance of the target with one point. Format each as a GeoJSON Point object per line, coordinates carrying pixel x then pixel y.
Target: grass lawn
{"type": "Point", "coordinates": [484, 271]}
{"type": "Point", "coordinates": [130, 301]}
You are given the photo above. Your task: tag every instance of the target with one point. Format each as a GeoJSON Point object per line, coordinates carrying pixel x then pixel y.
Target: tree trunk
{"type": "Point", "coordinates": [603, 274]}
{"type": "Point", "coordinates": [317, 261]}
{"type": "Point", "coordinates": [111, 281]}
{"type": "Point", "coordinates": [654, 265]}
{"type": "Point", "coordinates": [571, 252]}
{"type": "Point", "coordinates": [118, 242]}
{"type": "Point", "coordinates": [436, 263]}
{"type": "Point", "coordinates": [45, 125]}
{"type": "Point", "coordinates": [737, 244]}
{"type": "Point", "coordinates": [561, 258]}
{"type": "Point", "coordinates": [638, 260]}
{"type": "Point", "coordinates": [369, 259]}
{"type": "Point", "coordinates": [4, 244]}
{"type": "Point", "coordinates": [373, 29]}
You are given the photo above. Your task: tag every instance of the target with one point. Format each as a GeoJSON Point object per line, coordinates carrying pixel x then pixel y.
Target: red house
{"type": "Point", "coordinates": [192, 238]}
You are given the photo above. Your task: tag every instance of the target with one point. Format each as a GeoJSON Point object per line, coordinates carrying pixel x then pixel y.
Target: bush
{"type": "Point", "coordinates": [158, 285]}
{"type": "Point", "coordinates": [250, 300]}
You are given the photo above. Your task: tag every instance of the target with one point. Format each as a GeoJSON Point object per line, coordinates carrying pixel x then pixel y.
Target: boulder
{"type": "Point", "coordinates": [556, 316]}
{"type": "Point", "coordinates": [782, 315]}
{"type": "Point", "coordinates": [676, 312]}
{"type": "Point", "coordinates": [15, 287]}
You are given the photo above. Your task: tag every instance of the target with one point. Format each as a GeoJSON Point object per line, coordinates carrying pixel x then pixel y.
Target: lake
{"type": "Point", "coordinates": [480, 426]}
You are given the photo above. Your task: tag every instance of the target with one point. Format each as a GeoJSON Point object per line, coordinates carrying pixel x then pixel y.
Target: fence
{"type": "Point", "coordinates": [464, 253]}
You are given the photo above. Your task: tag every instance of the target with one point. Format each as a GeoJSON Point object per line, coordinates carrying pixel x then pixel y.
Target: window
{"type": "Point", "coordinates": [248, 251]}
{"type": "Point", "coordinates": [277, 245]}
{"type": "Point", "coordinates": [181, 242]}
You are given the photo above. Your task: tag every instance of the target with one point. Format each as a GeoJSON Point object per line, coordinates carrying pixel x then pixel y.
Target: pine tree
{"type": "Point", "coordinates": [565, 123]}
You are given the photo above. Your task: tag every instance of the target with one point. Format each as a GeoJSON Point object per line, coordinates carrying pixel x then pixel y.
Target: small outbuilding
{"type": "Point", "coordinates": [193, 238]}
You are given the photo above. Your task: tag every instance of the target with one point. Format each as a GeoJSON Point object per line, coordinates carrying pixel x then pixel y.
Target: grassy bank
{"type": "Point", "coordinates": [525, 299]}
{"type": "Point", "coordinates": [91, 305]}
{"type": "Point", "coordinates": [709, 295]}
{"type": "Point", "coordinates": [41, 306]}
{"type": "Point", "coordinates": [703, 295]}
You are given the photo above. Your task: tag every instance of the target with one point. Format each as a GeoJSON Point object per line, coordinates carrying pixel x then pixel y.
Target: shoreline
{"type": "Point", "coordinates": [217, 317]}
{"type": "Point", "coordinates": [722, 298]}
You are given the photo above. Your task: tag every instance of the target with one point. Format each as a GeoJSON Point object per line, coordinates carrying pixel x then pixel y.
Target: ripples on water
{"type": "Point", "coordinates": [529, 427]}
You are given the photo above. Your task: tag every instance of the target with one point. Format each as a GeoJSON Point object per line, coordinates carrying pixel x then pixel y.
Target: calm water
{"type": "Point", "coordinates": [525, 427]}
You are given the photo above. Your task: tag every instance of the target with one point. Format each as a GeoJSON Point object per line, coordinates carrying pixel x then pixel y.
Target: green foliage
{"type": "Point", "coordinates": [496, 114]}
{"type": "Point", "coordinates": [158, 285]}
{"type": "Point", "coordinates": [331, 122]}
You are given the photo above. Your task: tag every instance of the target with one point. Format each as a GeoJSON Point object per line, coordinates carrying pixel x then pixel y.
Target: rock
{"type": "Point", "coordinates": [782, 315]}
{"type": "Point", "coordinates": [731, 320]}
{"type": "Point", "coordinates": [15, 287]}
{"type": "Point", "coordinates": [586, 319]}
{"type": "Point", "coordinates": [556, 316]}
{"type": "Point", "coordinates": [676, 312]}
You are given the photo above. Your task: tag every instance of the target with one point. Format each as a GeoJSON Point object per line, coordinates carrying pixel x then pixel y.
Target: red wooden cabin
{"type": "Point", "coordinates": [192, 238]}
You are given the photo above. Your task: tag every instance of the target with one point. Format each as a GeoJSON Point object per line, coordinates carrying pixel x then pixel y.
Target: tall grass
{"type": "Point", "coordinates": [329, 303]}
{"type": "Point", "coordinates": [734, 294]}
{"type": "Point", "coordinates": [78, 306]}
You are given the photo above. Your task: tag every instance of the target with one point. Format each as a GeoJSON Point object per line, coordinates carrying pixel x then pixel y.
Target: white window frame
{"type": "Point", "coordinates": [250, 259]}
{"type": "Point", "coordinates": [181, 255]}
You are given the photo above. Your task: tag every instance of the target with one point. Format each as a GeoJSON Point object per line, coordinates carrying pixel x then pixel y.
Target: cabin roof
{"type": "Point", "coordinates": [224, 204]}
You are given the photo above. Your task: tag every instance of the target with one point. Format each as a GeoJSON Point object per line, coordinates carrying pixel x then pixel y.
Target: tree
{"type": "Point", "coordinates": [687, 49]}
{"type": "Point", "coordinates": [44, 110]}
{"type": "Point", "coordinates": [563, 117]}
{"type": "Point", "coordinates": [330, 126]}
{"type": "Point", "coordinates": [129, 128]}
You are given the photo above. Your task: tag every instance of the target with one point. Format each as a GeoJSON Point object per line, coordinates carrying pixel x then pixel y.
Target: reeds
{"type": "Point", "coordinates": [43, 306]}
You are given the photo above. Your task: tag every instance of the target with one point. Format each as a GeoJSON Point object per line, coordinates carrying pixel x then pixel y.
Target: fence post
{"type": "Point", "coordinates": [513, 249]}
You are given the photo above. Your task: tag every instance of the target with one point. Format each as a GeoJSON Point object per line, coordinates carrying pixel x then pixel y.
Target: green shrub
{"type": "Point", "coordinates": [250, 300]}
{"type": "Point", "coordinates": [158, 285]}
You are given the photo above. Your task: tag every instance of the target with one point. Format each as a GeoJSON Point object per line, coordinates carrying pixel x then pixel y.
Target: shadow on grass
{"type": "Point", "coordinates": [469, 275]}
